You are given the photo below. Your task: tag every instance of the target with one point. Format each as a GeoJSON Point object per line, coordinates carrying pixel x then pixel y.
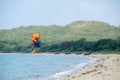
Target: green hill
{"type": "Point", "coordinates": [91, 30]}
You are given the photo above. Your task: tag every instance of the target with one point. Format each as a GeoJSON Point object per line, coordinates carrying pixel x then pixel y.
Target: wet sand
{"type": "Point", "coordinates": [107, 67]}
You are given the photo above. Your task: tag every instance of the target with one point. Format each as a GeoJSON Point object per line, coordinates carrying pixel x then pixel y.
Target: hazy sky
{"type": "Point", "coordinates": [14, 13]}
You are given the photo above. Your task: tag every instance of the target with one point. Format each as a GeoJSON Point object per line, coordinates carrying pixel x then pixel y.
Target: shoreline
{"type": "Point", "coordinates": [73, 69]}
{"type": "Point", "coordinates": [107, 67]}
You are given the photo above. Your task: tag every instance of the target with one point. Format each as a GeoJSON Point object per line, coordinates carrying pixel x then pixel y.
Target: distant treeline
{"type": "Point", "coordinates": [83, 45]}
{"type": "Point", "coordinates": [66, 46]}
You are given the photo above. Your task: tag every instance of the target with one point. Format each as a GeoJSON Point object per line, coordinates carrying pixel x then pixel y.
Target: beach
{"type": "Point", "coordinates": [107, 67]}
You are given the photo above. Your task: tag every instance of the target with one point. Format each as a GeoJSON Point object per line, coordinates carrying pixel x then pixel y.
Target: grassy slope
{"type": "Point", "coordinates": [91, 30]}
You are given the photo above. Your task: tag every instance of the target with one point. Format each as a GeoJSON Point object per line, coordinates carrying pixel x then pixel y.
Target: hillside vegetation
{"type": "Point", "coordinates": [56, 34]}
{"type": "Point", "coordinates": [90, 30]}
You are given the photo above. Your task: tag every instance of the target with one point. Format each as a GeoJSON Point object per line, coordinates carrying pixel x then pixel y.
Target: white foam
{"type": "Point", "coordinates": [68, 72]}
{"type": "Point", "coordinates": [60, 74]}
{"type": "Point", "coordinates": [73, 69]}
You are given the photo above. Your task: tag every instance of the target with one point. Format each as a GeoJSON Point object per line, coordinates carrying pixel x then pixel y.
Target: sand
{"type": "Point", "coordinates": [107, 67]}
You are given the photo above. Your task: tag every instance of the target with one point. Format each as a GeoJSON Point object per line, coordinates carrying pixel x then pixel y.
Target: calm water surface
{"type": "Point", "coordinates": [39, 66]}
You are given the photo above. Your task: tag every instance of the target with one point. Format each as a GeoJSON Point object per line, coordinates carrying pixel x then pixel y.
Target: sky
{"type": "Point", "coordinates": [15, 13]}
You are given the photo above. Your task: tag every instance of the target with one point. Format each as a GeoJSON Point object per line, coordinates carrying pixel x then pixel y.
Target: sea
{"type": "Point", "coordinates": [40, 66]}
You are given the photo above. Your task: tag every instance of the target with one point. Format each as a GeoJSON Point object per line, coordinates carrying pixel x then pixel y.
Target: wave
{"type": "Point", "coordinates": [73, 69]}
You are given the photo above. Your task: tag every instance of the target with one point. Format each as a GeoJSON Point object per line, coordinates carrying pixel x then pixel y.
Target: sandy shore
{"type": "Point", "coordinates": [106, 68]}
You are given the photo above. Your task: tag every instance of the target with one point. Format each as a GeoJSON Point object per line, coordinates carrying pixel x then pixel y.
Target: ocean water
{"type": "Point", "coordinates": [40, 66]}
